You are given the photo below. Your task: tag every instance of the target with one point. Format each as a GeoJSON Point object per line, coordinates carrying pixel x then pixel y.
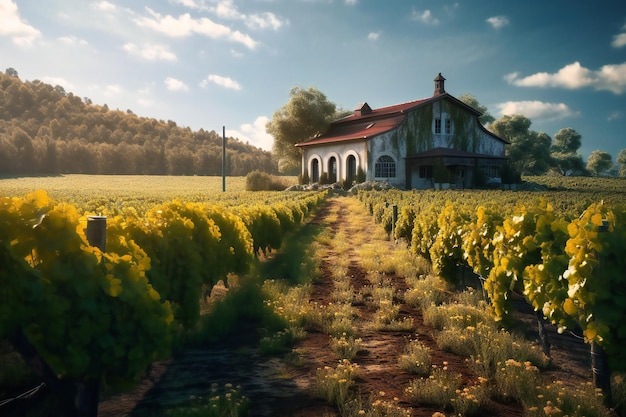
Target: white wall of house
{"type": "Point", "coordinates": [341, 152]}
{"type": "Point", "coordinates": [391, 144]}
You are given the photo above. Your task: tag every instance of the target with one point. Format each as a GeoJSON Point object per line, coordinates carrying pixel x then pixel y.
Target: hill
{"type": "Point", "coordinates": [45, 130]}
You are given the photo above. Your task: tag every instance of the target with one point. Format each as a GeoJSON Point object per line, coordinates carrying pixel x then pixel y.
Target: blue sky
{"type": "Point", "coordinates": [213, 63]}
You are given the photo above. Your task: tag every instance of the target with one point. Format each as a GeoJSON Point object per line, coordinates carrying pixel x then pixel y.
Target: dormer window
{"type": "Point", "coordinates": [448, 126]}
{"type": "Point", "coordinates": [437, 125]}
{"type": "Point", "coordinates": [362, 109]}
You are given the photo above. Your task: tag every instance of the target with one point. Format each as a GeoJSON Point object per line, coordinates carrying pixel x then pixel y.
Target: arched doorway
{"type": "Point", "coordinates": [315, 170]}
{"type": "Point", "coordinates": [351, 169]}
{"type": "Point", "coordinates": [332, 169]}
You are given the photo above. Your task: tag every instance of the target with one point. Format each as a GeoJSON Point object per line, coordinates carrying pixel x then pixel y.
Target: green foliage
{"type": "Point", "coordinates": [262, 181]}
{"type": "Point", "coordinates": [594, 278]}
{"type": "Point", "coordinates": [307, 114]}
{"type": "Point", "coordinates": [471, 101]}
{"type": "Point", "coordinates": [621, 163]}
{"type": "Point", "coordinates": [529, 151]}
{"type": "Point", "coordinates": [599, 163]}
{"type": "Point", "coordinates": [88, 314]}
{"type": "Point", "coordinates": [53, 132]}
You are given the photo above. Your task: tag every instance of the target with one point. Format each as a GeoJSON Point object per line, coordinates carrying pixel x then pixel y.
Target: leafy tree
{"type": "Point", "coordinates": [565, 158]}
{"type": "Point", "coordinates": [72, 135]}
{"type": "Point", "coordinates": [566, 163]}
{"type": "Point", "coordinates": [599, 162]}
{"type": "Point", "coordinates": [621, 162]}
{"type": "Point", "coordinates": [307, 114]}
{"type": "Point", "coordinates": [471, 101]}
{"type": "Point", "coordinates": [567, 140]}
{"type": "Point", "coordinates": [529, 151]}
{"type": "Point", "coordinates": [11, 72]}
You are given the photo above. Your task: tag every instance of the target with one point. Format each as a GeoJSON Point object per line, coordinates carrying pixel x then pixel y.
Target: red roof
{"type": "Point", "coordinates": [363, 126]}
{"type": "Point", "coordinates": [365, 122]}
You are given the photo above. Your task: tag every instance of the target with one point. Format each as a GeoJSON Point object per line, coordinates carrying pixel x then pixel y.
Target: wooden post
{"type": "Point", "coordinates": [96, 231]}
{"type": "Point", "coordinates": [394, 219]}
{"type": "Point", "coordinates": [599, 359]}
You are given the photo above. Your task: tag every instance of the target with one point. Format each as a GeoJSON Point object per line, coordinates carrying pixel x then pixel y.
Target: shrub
{"type": "Point", "coordinates": [262, 181]}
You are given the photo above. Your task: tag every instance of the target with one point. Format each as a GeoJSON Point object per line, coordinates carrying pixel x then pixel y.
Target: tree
{"type": "Point", "coordinates": [307, 114]}
{"type": "Point", "coordinates": [567, 140]}
{"type": "Point", "coordinates": [621, 162]}
{"type": "Point", "coordinates": [471, 101]}
{"type": "Point", "coordinates": [565, 159]}
{"type": "Point", "coordinates": [599, 162]}
{"type": "Point", "coordinates": [529, 151]}
{"type": "Point", "coordinates": [11, 72]}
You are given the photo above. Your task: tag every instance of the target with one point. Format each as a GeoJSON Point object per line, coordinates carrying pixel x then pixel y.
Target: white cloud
{"type": "Point", "coordinates": [254, 133]}
{"type": "Point", "coordinates": [173, 84]}
{"type": "Point", "coordinates": [575, 76]}
{"type": "Point", "coordinates": [616, 115]}
{"type": "Point", "coordinates": [424, 17]}
{"type": "Point", "coordinates": [184, 25]}
{"type": "Point", "coordinates": [150, 52]}
{"type": "Point", "coordinates": [536, 109]}
{"type": "Point", "coordinates": [12, 25]}
{"type": "Point", "coordinates": [351, 2]}
{"type": "Point", "coordinates": [104, 6]}
{"type": "Point", "coordinates": [373, 36]}
{"type": "Point", "coordinates": [72, 40]}
{"type": "Point", "coordinates": [68, 86]}
{"type": "Point", "coordinates": [619, 40]}
{"type": "Point", "coordinates": [226, 9]}
{"type": "Point", "coordinates": [188, 3]}
{"type": "Point", "coordinates": [113, 90]}
{"type": "Point", "coordinates": [498, 22]}
{"type": "Point", "coordinates": [225, 82]}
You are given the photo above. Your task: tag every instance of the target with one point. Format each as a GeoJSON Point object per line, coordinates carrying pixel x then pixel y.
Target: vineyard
{"type": "Point", "coordinates": [440, 286]}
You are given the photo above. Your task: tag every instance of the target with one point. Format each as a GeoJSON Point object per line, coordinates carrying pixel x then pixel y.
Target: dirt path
{"type": "Point", "coordinates": [278, 389]}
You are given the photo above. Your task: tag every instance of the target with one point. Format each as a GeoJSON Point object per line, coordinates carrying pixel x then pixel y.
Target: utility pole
{"type": "Point", "coordinates": [223, 158]}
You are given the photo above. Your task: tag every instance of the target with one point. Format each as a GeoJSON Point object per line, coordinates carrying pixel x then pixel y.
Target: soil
{"type": "Point", "coordinates": [277, 388]}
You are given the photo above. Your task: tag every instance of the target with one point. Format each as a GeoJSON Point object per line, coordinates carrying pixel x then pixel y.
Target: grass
{"type": "Point", "coordinates": [333, 384]}
{"type": "Point", "coordinates": [226, 402]}
{"type": "Point", "coordinates": [416, 358]}
{"type": "Point", "coordinates": [110, 193]}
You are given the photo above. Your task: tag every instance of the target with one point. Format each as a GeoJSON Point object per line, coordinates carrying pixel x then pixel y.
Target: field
{"type": "Point", "coordinates": [331, 316]}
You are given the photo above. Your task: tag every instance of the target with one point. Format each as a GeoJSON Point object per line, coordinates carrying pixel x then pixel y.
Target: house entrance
{"type": "Point", "coordinates": [351, 174]}
{"type": "Point", "coordinates": [460, 178]}
{"type": "Point", "coordinates": [315, 170]}
{"type": "Point", "coordinates": [332, 169]}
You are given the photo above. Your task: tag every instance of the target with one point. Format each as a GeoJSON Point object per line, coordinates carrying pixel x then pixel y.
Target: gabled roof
{"type": "Point", "coordinates": [366, 122]}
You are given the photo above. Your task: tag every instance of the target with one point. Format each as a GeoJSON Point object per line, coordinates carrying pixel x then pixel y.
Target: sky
{"type": "Point", "coordinates": [214, 63]}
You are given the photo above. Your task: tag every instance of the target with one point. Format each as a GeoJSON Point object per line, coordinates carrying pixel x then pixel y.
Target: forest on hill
{"type": "Point", "coordinates": [45, 131]}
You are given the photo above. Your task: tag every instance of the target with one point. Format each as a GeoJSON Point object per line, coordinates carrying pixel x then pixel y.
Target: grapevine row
{"type": "Point", "coordinates": [567, 263]}
{"type": "Point", "coordinates": [93, 315]}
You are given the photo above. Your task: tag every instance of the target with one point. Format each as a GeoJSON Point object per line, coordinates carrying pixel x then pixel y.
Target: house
{"type": "Point", "coordinates": [410, 145]}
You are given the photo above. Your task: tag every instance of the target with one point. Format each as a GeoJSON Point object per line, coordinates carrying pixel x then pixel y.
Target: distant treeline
{"type": "Point", "coordinates": [45, 130]}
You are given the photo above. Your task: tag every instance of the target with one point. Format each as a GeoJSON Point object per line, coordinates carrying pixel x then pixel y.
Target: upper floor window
{"type": "Point", "coordinates": [385, 167]}
{"type": "Point", "coordinates": [437, 125]}
{"type": "Point", "coordinates": [448, 126]}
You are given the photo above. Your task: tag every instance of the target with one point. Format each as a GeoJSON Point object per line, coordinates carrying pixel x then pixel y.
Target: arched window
{"type": "Point", "coordinates": [385, 167]}
{"type": "Point", "coordinates": [315, 170]}
{"type": "Point", "coordinates": [351, 173]}
{"type": "Point", "coordinates": [332, 169]}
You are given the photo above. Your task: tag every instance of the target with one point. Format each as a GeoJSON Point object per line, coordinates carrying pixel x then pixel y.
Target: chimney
{"type": "Point", "coordinates": [439, 85]}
